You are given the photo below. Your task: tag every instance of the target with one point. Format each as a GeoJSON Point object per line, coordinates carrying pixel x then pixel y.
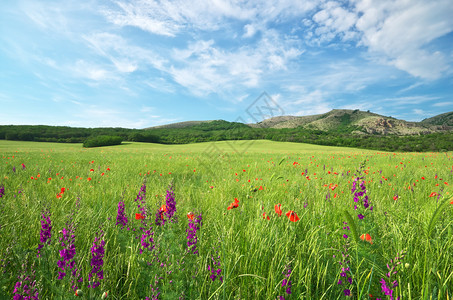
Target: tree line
{"type": "Point", "coordinates": [222, 130]}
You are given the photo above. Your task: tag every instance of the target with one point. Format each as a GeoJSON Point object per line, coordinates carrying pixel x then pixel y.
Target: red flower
{"type": "Point", "coordinates": [366, 237]}
{"type": "Point", "coordinates": [190, 215]}
{"type": "Point", "coordinates": [108, 169]}
{"type": "Point", "coordinates": [264, 216]}
{"type": "Point", "coordinates": [395, 197]}
{"type": "Point", "coordinates": [292, 216]}
{"type": "Point", "coordinates": [433, 194]}
{"type": "Point", "coordinates": [91, 170]}
{"type": "Point", "coordinates": [278, 209]}
{"type": "Point", "coordinates": [58, 196]}
{"type": "Point", "coordinates": [89, 178]}
{"type": "Point", "coordinates": [139, 216]}
{"type": "Point", "coordinates": [235, 204]}
{"type": "Point", "coordinates": [163, 208]}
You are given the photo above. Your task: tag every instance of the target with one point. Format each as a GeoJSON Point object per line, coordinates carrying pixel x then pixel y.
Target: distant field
{"type": "Point", "coordinates": [66, 198]}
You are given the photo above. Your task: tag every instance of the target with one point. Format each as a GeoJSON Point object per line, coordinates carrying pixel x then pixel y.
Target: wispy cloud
{"type": "Point", "coordinates": [443, 104]}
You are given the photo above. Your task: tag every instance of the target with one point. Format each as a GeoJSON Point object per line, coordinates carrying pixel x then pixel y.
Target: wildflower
{"type": "Point", "coordinates": [278, 209]}
{"type": "Point", "coordinates": [121, 218]}
{"type": "Point", "coordinates": [388, 291]}
{"type": "Point", "coordinates": [79, 293]}
{"type": "Point", "coordinates": [344, 263]}
{"type": "Point", "coordinates": [170, 204]}
{"type": "Point", "coordinates": [286, 282]}
{"type": "Point", "coordinates": [46, 230]}
{"type": "Point", "coordinates": [292, 216]}
{"type": "Point", "coordinates": [160, 220]}
{"type": "Point", "coordinates": [215, 268]}
{"type": "Point", "coordinates": [194, 226]}
{"type": "Point", "coordinates": [26, 286]}
{"type": "Point", "coordinates": [366, 237]}
{"type": "Point", "coordinates": [139, 216]}
{"type": "Point", "coordinates": [190, 215]}
{"type": "Point", "coordinates": [97, 255]}
{"type": "Point", "coordinates": [23, 167]}
{"type": "Point", "coordinates": [67, 254]}
{"type": "Point", "coordinates": [234, 204]}
{"type": "Point", "coordinates": [265, 217]}
{"type": "Point", "coordinates": [2, 191]}
{"type": "Point", "coordinates": [433, 194]}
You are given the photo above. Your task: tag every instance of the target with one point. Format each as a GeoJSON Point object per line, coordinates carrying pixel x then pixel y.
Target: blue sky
{"type": "Point", "coordinates": [141, 63]}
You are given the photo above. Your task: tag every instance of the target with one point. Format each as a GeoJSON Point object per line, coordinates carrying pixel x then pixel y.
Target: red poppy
{"type": "Point", "coordinates": [433, 194]}
{"type": "Point", "coordinates": [89, 178]}
{"type": "Point", "coordinates": [278, 209]}
{"type": "Point", "coordinates": [190, 215]}
{"type": "Point", "coordinates": [395, 197]}
{"type": "Point", "coordinates": [139, 216]}
{"type": "Point", "coordinates": [91, 170]}
{"type": "Point", "coordinates": [163, 208]}
{"type": "Point", "coordinates": [292, 216]}
{"type": "Point", "coordinates": [265, 217]}
{"type": "Point", "coordinates": [235, 204]}
{"type": "Point", "coordinates": [63, 189]}
{"type": "Point", "coordinates": [366, 237]}
{"type": "Point", "coordinates": [58, 196]}
{"type": "Point", "coordinates": [108, 169]}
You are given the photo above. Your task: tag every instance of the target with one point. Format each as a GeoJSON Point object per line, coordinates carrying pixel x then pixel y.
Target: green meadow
{"type": "Point", "coordinates": [395, 240]}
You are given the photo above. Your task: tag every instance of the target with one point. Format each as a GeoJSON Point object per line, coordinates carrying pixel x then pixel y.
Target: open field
{"type": "Point", "coordinates": [402, 209]}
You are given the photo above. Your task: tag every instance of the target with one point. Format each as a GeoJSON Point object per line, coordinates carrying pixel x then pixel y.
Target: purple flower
{"type": "Point", "coordinates": [2, 190]}
{"type": "Point", "coordinates": [170, 203]}
{"type": "Point", "coordinates": [46, 230]}
{"type": "Point", "coordinates": [68, 251]}
{"type": "Point", "coordinates": [194, 226]}
{"type": "Point", "coordinates": [97, 260]}
{"type": "Point", "coordinates": [347, 292]}
{"type": "Point", "coordinates": [215, 262]}
{"type": "Point", "coordinates": [286, 282]}
{"type": "Point", "coordinates": [26, 286]}
{"type": "Point", "coordinates": [121, 218]}
{"type": "Point", "coordinates": [360, 216]}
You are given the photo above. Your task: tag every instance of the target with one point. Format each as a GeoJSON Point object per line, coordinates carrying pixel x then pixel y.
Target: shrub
{"type": "Point", "coordinates": [102, 140]}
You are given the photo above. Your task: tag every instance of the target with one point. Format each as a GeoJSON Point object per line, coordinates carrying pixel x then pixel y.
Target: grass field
{"type": "Point", "coordinates": [364, 224]}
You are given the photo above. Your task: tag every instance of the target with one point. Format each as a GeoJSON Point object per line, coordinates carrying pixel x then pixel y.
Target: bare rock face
{"type": "Point", "coordinates": [384, 123]}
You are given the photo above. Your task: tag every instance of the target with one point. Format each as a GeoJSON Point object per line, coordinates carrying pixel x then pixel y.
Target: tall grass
{"type": "Point", "coordinates": [253, 252]}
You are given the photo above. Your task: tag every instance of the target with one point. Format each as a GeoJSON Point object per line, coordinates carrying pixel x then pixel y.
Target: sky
{"type": "Point", "coordinates": [143, 63]}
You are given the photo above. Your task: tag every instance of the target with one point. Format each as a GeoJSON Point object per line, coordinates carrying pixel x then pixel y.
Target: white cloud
{"type": "Point", "coordinates": [397, 33]}
{"type": "Point", "coordinates": [417, 111]}
{"type": "Point", "coordinates": [400, 30]}
{"type": "Point", "coordinates": [204, 68]}
{"type": "Point", "coordinates": [169, 18]}
{"type": "Point", "coordinates": [442, 104]}
{"type": "Point", "coordinates": [125, 57]}
{"type": "Point", "coordinates": [249, 30]}
{"type": "Point", "coordinates": [91, 71]}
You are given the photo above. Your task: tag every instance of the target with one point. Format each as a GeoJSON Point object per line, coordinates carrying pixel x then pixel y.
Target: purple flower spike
{"type": "Point", "coordinates": [97, 260]}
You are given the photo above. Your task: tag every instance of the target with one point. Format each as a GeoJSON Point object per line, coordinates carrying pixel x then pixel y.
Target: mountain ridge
{"type": "Point", "coordinates": [346, 120]}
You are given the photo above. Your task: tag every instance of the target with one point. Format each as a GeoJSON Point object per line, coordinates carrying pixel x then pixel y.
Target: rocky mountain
{"type": "Point", "coordinates": [360, 122]}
